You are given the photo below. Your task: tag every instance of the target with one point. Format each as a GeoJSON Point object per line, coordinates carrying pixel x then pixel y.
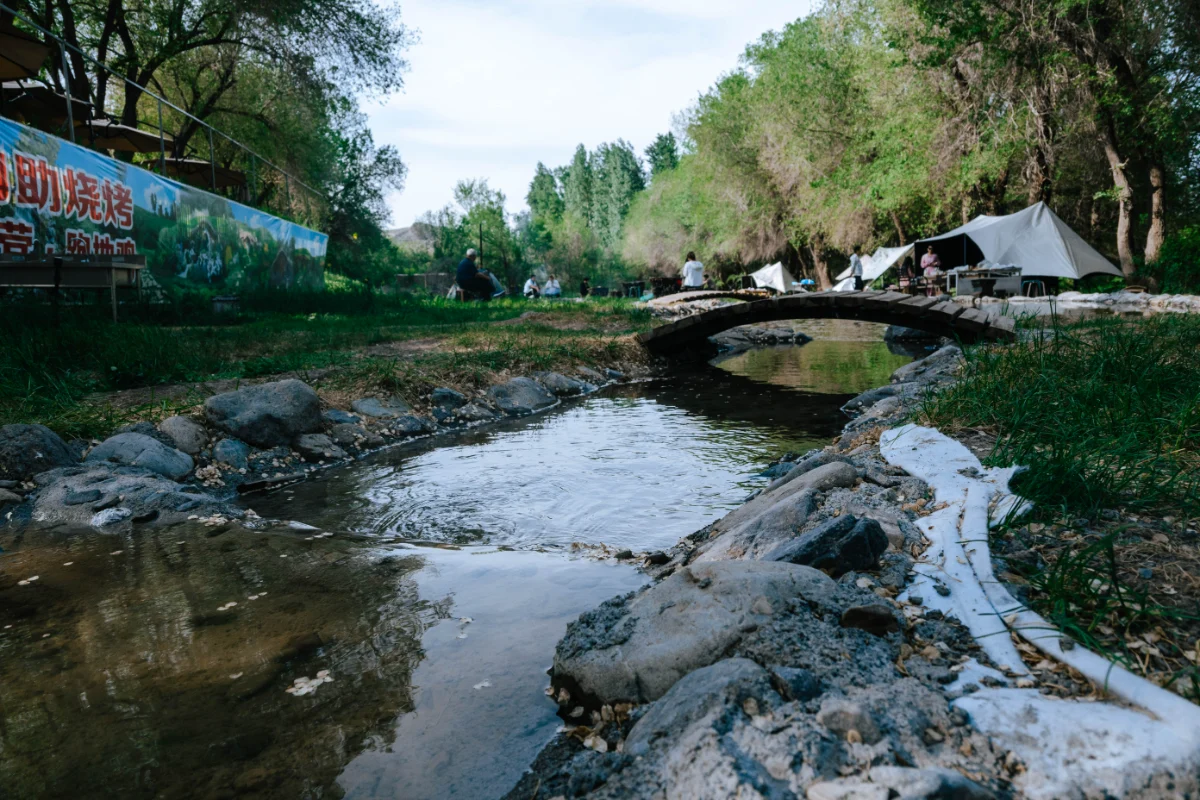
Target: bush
{"type": "Point", "coordinates": [1178, 267]}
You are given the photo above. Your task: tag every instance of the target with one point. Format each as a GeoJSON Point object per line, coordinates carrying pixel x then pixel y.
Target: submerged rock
{"type": "Point", "coordinates": [385, 408]}
{"type": "Point", "coordinates": [26, 450]}
{"type": "Point", "coordinates": [635, 648]}
{"type": "Point", "coordinates": [267, 415]}
{"type": "Point", "coordinates": [186, 434]}
{"type": "Point", "coordinates": [139, 450]}
{"type": "Point", "coordinates": [521, 396]}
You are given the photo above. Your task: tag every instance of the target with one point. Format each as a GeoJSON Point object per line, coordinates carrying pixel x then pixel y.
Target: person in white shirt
{"type": "Point", "coordinates": [693, 273]}
{"type": "Point", "coordinates": [856, 267]}
{"type": "Point", "coordinates": [552, 289]}
{"type": "Point", "coordinates": [531, 288]}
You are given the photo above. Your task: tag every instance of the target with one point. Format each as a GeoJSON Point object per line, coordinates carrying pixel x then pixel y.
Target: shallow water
{"type": "Point", "coordinates": [127, 674]}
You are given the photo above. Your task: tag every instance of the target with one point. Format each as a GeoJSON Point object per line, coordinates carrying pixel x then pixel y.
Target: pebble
{"type": "Point", "coordinates": [68, 563]}
{"type": "Point", "coordinates": [942, 589]}
{"type": "Point", "coordinates": [116, 552]}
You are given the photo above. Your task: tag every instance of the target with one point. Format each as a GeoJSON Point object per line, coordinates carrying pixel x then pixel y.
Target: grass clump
{"type": "Point", "coordinates": [1103, 413]}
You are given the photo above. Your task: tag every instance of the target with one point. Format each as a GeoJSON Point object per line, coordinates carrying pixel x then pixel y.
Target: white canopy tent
{"type": "Point", "coordinates": [1035, 240]}
{"type": "Point", "coordinates": [874, 266]}
{"type": "Point", "coordinates": [774, 276]}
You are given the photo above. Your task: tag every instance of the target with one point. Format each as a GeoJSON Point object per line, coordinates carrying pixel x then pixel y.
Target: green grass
{"type": "Point", "coordinates": [1106, 416]}
{"type": "Point", "coordinates": [54, 374]}
{"type": "Point", "coordinates": [1103, 413]}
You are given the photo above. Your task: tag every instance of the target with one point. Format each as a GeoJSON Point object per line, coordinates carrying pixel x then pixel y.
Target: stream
{"type": "Point", "coordinates": [416, 609]}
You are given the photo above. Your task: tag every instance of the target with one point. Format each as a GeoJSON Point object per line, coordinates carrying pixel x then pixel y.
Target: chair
{"type": "Point", "coordinates": [1033, 288]}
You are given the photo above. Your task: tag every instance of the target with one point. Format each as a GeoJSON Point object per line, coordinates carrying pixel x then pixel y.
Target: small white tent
{"type": "Point", "coordinates": [774, 276]}
{"type": "Point", "coordinates": [874, 266]}
{"type": "Point", "coordinates": [1035, 240]}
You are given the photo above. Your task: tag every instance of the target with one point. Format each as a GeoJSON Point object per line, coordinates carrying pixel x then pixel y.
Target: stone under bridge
{"type": "Point", "coordinates": [930, 314]}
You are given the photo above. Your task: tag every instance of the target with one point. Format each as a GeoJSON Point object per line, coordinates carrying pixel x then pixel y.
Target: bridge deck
{"type": "Point", "coordinates": [929, 314]}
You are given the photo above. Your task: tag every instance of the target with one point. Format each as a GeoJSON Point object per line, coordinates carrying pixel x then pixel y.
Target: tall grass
{"type": "Point", "coordinates": [1103, 413]}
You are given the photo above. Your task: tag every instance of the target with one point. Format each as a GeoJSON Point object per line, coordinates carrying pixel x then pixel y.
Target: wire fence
{"type": "Point", "coordinates": [260, 184]}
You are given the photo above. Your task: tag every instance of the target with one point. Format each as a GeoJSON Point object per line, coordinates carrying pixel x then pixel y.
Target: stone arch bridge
{"type": "Point", "coordinates": [930, 314]}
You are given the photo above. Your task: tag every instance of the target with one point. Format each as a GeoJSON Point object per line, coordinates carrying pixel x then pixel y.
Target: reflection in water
{"type": "Point", "coordinates": [127, 673]}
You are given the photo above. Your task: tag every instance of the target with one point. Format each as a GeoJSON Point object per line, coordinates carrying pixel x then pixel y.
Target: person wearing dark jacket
{"type": "Point", "coordinates": [585, 288]}
{"type": "Point", "coordinates": [474, 282]}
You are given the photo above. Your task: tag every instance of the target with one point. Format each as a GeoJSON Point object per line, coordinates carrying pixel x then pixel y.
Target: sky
{"type": "Point", "coordinates": [496, 86]}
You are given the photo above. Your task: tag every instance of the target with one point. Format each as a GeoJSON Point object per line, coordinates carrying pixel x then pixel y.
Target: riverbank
{"type": "Point", "coordinates": [744, 672]}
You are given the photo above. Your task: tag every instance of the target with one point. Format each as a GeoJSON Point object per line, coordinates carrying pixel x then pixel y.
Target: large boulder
{"type": "Point", "coordinates": [382, 408]}
{"type": "Point", "coordinates": [837, 546]}
{"type": "Point", "coordinates": [124, 494]}
{"type": "Point", "coordinates": [636, 647]}
{"type": "Point", "coordinates": [521, 396]}
{"type": "Point", "coordinates": [445, 397]}
{"type": "Point", "coordinates": [935, 368]}
{"type": "Point", "coordinates": [267, 415]}
{"type": "Point", "coordinates": [562, 386]}
{"type": "Point", "coordinates": [139, 450]}
{"type": "Point", "coordinates": [26, 450]}
{"type": "Point", "coordinates": [186, 434]}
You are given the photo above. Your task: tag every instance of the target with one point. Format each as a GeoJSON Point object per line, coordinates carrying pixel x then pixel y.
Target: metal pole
{"type": "Point", "coordinates": [162, 144]}
{"type": "Point", "coordinates": [212, 159]}
{"type": "Point", "coordinates": [62, 51]}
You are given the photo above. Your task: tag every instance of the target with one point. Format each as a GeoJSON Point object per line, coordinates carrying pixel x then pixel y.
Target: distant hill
{"type": "Point", "coordinates": [418, 236]}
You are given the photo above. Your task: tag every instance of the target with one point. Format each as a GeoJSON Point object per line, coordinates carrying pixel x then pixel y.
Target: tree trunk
{"type": "Point", "coordinates": [1124, 200]}
{"type": "Point", "coordinates": [1157, 233]}
{"type": "Point", "coordinates": [820, 265]}
{"type": "Point", "coordinates": [899, 228]}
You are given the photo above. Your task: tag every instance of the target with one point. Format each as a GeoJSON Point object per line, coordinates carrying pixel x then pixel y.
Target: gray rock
{"type": "Point", "coordinates": [933, 783]}
{"type": "Point", "coordinates": [590, 374]}
{"type": "Point", "coordinates": [697, 694]}
{"type": "Point", "coordinates": [806, 465]}
{"type": "Point", "coordinates": [26, 450]}
{"type": "Point", "coordinates": [347, 435]}
{"type": "Point", "coordinates": [445, 397]}
{"type": "Point", "coordinates": [614, 374]}
{"type": "Point", "coordinates": [74, 497]}
{"type": "Point", "coordinates": [636, 648]}
{"type": "Point", "coordinates": [521, 396]}
{"type": "Point", "coordinates": [144, 428]}
{"type": "Point", "coordinates": [232, 452]}
{"type": "Point", "coordinates": [409, 425]}
{"type": "Point", "coordinates": [775, 516]}
{"type": "Point", "coordinates": [385, 408]}
{"type": "Point", "coordinates": [838, 545]}
{"type": "Point", "coordinates": [940, 364]}
{"type": "Point", "coordinates": [7, 497]}
{"type": "Point", "coordinates": [335, 416]}
{"type": "Point", "coordinates": [318, 447]}
{"type": "Point", "coordinates": [562, 386]}
{"type": "Point", "coordinates": [869, 398]}
{"type": "Point", "coordinates": [474, 412]}
{"type": "Point", "coordinates": [794, 683]}
{"type": "Point", "coordinates": [110, 516]}
{"type": "Point", "coordinates": [139, 450]}
{"type": "Point", "coordinates": [140, 492]}
{"type": "Point", "coordinates": [186, 434]}
{"type": "Point", "coordinates": [267, 415]}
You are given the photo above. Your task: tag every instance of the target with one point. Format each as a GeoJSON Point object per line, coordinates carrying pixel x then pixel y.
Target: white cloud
{"type": "Point", "coordinates": [496, 87]}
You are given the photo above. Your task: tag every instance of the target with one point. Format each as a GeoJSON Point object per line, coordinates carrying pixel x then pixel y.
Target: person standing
{"type": "Point", "coordinates": [856, 267]}
{"type": "Point", "coordinates": [931, 266]}
{"type": "Point", "coordinates": [551, 289]}
{"type": "Point", "coordinates": [474, 282]}
{"type": "Point", "coordinates": [693, 273]}
{"type": "Point", "coordinates": [585, 288]}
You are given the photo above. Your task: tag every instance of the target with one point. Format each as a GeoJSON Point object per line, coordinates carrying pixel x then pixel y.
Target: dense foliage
{"type": "Point", "coordinates": [876, 122]}
{"type": "Point", "coordinates": [281, 77]}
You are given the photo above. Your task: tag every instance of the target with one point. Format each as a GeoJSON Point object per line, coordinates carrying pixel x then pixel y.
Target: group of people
{"type": "Point", "coordinates": [476, 283]}
{"type": "Point", "coordinates": [931, 270]}
{"type": "Point", "coordinates": [533, 291]}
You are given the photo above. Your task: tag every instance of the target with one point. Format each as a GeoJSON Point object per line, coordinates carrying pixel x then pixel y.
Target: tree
{"type": "Point", "coordinates": [663, 154]}
{"type": "Point", "coordinates": [617, 177]}
{"type": "Point", "coordinates": [545, 201]}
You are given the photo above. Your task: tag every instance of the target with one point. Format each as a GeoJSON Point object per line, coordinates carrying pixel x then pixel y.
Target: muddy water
{"type": "Point", "coordinates": [433, 607]}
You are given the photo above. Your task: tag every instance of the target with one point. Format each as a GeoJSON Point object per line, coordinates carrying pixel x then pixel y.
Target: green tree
{"type": "Point", "coordinates": [663, 154]}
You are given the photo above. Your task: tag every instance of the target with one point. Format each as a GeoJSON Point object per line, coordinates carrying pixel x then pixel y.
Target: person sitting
{"type": "Point", "coordinates": [585, 288]}
{"type": "Point", "coordinates": [693, 273]}
{"type": "Point", "coordinates": [931, 267]}
{"type": "Point", "coordinates": [552, 289]}
{"type": "Point", "coordinates": [531, 290]}
{"type": "Point", "coordinates": [856, 267]}
{"type": "Point", "coordinates": [908, 275]}
{"type": "Point", "coordinates": [474, 282]}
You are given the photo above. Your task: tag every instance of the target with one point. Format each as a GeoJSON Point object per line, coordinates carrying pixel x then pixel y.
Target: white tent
{"type": "Point", "coordinates": [774, 276]}
{"type": "Point", "coordinates": [874, 266]}
{"type": "Point", "coordinates": [1035, 240]}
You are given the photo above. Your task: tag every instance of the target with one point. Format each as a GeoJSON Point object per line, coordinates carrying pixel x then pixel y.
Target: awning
{"type": "Point", "coordinates": [1035, 240]}
{"type": "Point", "coordinates": [21, 54]}
{"type": "Point", "coordinates": [198, 173]}
{"type": "Point", "coordinates": [110, 135]}
{"type": "Point", "coordinates": [774, 276]}
{"type": "Point", "coordinates": [875, 265]}
{"type": "Point", "coordinates": [35, 103]}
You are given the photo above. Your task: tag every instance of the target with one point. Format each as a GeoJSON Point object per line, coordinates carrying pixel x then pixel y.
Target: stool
{"type": "Point", "coordinates": [1033, 288]}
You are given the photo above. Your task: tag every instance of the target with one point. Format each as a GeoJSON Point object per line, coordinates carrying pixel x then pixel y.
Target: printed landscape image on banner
{"type": "Point", "coordinates": [59, 198]}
